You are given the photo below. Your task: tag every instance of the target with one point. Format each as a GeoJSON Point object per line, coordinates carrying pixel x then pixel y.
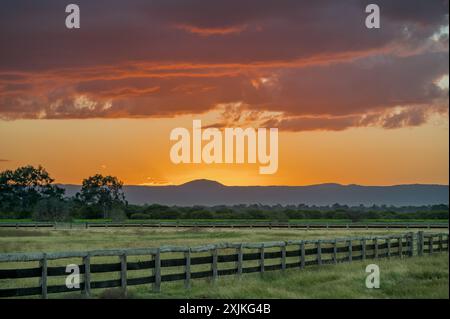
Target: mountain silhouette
{"type": "Point", "coordinates": [201, 184]}
{"type": "Point", "coordinates": [207, 192]}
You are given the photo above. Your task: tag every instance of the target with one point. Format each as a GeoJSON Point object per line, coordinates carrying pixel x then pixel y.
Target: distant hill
{"type": "Point", "coordinates": [206, 192]}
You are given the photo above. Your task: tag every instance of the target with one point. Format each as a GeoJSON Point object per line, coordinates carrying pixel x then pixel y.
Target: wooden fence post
{"type": "Point", "coordinates": [123, 273]}
{"type": "Point", "coordinates": [335, 251]}
{"type": "Point", "coordinates": [283, 257]}
{"type": "Point", "coordinates": [302, 254]}
{"type": "Point", "coordinates": [420, 243]}
{"type": "Point", "coordinates": [411, 244]}
{"type": "Point", "coordinates": [261, 259]}
{"type": "Point", "coordinates": [388, 242]}
{"type": "Point", "coordinates": [214, 264]}
{"type": "Point", "coordinates": [400, 246]}
{"type": "Point", "coordinates": [440, 243]}
{"type": "Point", "coordinates": [375, 243]}
{"type": "Point", "coordinates": [187, 269]}
{"type": "Point", "coordinates": [239, 260]}
{"type": "Point", "coordinates": [319, 253]}
{"type": "Point", "coordinates": [363, 248]}
{"type": "Point", "coordinates": [350, 251]}
{"type": "Point", "coordinates": [430, 244]}
{"type": "Point", "coordinates": [43, 279]}
{"type": "Point", "coordinates": [87, 275]}
{"type": "Point", "coordinates": [447, 242]}
{"type": "Point", "coordinates": [157, 271]}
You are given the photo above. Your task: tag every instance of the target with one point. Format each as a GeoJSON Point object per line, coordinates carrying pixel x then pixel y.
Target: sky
{"type": "Point", "coordinates": [352, 105]}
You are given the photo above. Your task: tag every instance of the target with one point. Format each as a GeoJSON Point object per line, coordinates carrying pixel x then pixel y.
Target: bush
{"type": "Point", "coordinates": [51, 209]}
{"type": "Point", "coordinates": [202, 214]}
{"type": "Point", "coordinates": [117, 214]}
{"type": "Point", "coordinates": [139, 216]}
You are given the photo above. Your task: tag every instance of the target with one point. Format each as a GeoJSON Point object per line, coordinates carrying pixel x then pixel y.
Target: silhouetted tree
{"type": "Point", "coordinates": [21, 189]}
{"type": "Point", "coordinates": [102, 192]}
{"type": "Point", "coordinates": [52, 209]}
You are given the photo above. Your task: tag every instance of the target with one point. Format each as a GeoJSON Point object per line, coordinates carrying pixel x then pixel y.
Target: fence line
{"type": "Point", "coordinates": [269, 225]}
{"type": "Point", "coordinates": [340, 249]}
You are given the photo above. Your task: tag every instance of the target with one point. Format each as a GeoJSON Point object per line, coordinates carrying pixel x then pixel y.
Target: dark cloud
{"type": "Point", "coordinates": [313, 63]}
{"type": "Point", "coordinates": [388, 119]}
{"type": "Point", "coordinates": [33, 34]}
{"type": "Point", "coordinates": [366, 84]}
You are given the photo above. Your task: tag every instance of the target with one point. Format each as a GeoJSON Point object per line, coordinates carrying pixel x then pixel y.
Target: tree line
{"type": "Point", "coordinates": [30, 192]}
{"type": "Point", "coordinates": [284, 213]}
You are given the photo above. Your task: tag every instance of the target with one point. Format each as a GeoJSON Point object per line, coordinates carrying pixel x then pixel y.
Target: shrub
{"type": "Point", "coordinates": [117, 214]}
{"type": "Point", "coordinates": [51, 209]}
{"type": "Point", "coordinates": [202, 214]}
{"type": "Point", "coordinates": [139, 216]}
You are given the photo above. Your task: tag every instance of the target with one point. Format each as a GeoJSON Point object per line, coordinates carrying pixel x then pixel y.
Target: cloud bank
{"type": "Point", "coordinates": [297, 65]}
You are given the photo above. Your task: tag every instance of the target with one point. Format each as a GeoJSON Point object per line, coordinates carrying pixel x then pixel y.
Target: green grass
{"type": "Point", "coordinates": [52, 240]}
{"type": "Point", "coordinates": [425, 277]}
{"type": "Point", "coordinates": [417, 277]}
{"type": "Point", "coordinates": [16, 220]}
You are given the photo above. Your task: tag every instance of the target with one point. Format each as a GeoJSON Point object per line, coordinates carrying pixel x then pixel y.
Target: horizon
{"type": "Point", "coordinates": [306, 185]}
{"type": "Point", "coordinates": [212, 193]}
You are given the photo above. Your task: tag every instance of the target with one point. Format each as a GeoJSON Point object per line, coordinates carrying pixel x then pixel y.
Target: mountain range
{"type": "Point", "coordinates": [209, 193]}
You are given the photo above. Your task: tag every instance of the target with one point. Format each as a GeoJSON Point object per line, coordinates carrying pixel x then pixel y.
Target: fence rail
{"type": "Point", "coordinates": [297, 251]}
{"type": "Point", "coordinates": [174, 224]}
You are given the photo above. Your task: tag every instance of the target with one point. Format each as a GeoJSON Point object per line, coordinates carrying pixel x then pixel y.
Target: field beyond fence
{"type": "Point", "coordinates": [220, 260]}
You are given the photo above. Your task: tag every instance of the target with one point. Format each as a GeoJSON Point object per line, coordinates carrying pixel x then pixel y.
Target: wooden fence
{"type": "Point", "coordinates": [289, 254]}
{"type": "Point", "coordinates": [267, 225]}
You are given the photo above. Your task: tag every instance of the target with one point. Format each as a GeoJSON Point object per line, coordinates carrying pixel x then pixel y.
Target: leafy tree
{"type": "Point", "coordinates": [21, 189]}
{"type": "Point", "coordinates": [102, 192]}
{"type": "Point", "coordinates": [51, 209]}
{"type": "Point", "coordinates": [202, 214]}
{"type": "Point", "coordinates": [117, 214]}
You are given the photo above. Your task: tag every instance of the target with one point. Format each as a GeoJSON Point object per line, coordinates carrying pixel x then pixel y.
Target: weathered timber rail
{"type": "Point", "coordinates": [288, 254]}
{"type": "Point", "coordinates": [267, 225]}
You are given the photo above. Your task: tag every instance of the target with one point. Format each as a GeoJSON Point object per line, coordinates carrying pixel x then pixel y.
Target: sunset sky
{"type": "Point", "coordinates": [353, 105]}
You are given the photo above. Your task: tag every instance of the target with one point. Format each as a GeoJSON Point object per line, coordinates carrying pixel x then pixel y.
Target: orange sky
{"type": "Point", "coordinates": [137, 151]}
{"type": "Point", "coordinates": [352, 104]}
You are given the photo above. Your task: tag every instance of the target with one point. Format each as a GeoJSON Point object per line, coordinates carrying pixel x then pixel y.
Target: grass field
{"type": "Point", "coordinates": [425, 277]}
{"type": "Point", "coordinates": [42, 240]}
{"type": "Point", "coordinates": [417, 277]}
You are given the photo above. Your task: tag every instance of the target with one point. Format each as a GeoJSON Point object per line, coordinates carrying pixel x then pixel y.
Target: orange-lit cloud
{"type": "Point", "coordinates": [211, 31]}
{"type": "Point", "coordinates": [360, 92]}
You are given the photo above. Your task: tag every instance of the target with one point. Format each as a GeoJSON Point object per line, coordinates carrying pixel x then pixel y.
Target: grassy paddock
{"type": "Point", "coordinates": [54, 240]}
{"type": "Point", "coordinates": [417, 277]}
{"type": "Point", "coordinates": [408, 278]}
